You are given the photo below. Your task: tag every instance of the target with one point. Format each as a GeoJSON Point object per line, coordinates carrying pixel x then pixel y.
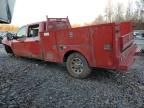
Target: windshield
{"type": "Point", "coordinates": [21, 32]}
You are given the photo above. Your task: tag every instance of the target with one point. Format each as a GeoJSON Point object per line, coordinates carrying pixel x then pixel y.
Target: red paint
{"type": "Point", "coordinates": [107, 46]}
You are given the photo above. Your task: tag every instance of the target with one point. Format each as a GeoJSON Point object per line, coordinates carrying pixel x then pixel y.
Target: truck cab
{"type": "Point", "coordinates": [109, 46]}
{"type": "Point", "coordinates": [30, 39]}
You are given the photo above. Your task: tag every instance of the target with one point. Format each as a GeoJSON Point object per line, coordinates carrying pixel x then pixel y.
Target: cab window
{"type": "Point", "coordinates": [33, 30]}
{"type": "Point", "coordinates": [22, 32]}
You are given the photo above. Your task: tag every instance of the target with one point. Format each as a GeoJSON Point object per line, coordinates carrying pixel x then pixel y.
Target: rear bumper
{"type": "Point", "coordinates": [127, 58]}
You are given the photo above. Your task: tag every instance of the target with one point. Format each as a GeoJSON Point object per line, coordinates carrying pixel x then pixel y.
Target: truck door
{"type": "Point", "coordinates": [103, 46]}
{"type": "Point", "coordinates": [18, 44]}
{"type": "Point", "coordinates": [32, 42]}
{"type": "Point", "coordinates": [49, 45]}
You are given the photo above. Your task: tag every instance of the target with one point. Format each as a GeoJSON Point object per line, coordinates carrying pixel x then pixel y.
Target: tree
{"type": "Point", "coordinates": [140, 10]}
{"type": "Point", "coordinates": [109, 11]}
{"type": "Point", "coordinates": [119, 12]}
{"type": "Point", "coordinates": [129, 11]}
{"type": "Point", "coordinates": [98, 20]}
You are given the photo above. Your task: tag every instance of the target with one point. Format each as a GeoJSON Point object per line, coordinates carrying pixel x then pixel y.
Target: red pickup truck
{"type": "Point", "coordinates": [110, 46]}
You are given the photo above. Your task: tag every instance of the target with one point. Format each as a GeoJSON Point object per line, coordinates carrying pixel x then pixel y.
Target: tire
{"type": "Point", "coordinates": [9, 50]}
{"type": "Point", "coordinates": [78, 66]}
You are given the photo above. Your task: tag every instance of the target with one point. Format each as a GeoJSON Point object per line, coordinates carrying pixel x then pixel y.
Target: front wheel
{"type": "Point", "coordinates": [78, 66]}
{"type": "Point", "coordinates": [8, 50]}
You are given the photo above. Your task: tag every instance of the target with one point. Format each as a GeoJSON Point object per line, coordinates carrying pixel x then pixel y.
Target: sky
{"type": "Point", "coordinates": [78, 11]}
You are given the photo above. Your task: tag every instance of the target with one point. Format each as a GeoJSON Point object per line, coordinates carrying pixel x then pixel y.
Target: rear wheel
{"type": "Point", "coordinates": [78, 66]}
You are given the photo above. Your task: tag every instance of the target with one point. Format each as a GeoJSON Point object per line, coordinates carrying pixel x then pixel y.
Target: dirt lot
{"type": "Point", "coordinates": [28, 83]}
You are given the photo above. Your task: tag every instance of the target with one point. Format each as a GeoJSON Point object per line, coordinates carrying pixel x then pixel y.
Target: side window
{"type": "Point", "coordinates": [21, 32]}
{"type": "Point", "coordinates": [33, 30]}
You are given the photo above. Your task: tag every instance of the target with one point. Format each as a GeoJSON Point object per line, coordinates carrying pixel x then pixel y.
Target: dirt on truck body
{"type": "Point", "coordinates": [109, 46]}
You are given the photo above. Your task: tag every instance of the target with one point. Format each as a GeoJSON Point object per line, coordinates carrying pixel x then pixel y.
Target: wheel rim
{"type": "Point", "coordinates": [77, 65]}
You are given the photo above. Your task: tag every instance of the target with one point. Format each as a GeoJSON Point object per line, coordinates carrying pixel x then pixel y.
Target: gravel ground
{"type": "Point", "coordinates": [28, 83]}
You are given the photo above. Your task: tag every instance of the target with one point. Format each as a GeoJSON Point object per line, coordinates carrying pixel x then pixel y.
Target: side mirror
{"type": "Point", "coordinates": [10, 36]}
{"type": "Point", "coordinates": [22, 38]}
